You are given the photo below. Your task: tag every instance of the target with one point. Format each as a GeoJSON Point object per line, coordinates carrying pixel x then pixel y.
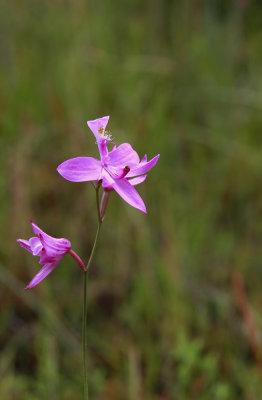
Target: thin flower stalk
{"type": "Point", "coordinates": [84, 323]}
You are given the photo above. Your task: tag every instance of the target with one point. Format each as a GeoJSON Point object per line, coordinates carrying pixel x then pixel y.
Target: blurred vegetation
{"type": "Point", "coordinates": [179, 78]}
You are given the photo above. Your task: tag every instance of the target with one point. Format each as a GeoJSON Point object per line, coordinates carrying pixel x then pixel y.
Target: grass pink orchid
{"type": "Point", "coordinates": [119, 169]}
{"type": "Point", "coordinates": [50, 250]}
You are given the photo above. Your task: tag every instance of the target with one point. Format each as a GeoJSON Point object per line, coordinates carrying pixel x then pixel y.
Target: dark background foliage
{"type": "Point", "coordinates": [168, 316]}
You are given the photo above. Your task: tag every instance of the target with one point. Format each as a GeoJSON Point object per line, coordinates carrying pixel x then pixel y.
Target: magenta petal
{"type": "Point", "coordinates": [143, 167]}
{"type": "Point", "coordinates": [52, 246]}
{"type": "Point", "coordinates": [55, 247]}
{"type": "Point", "coordinates": [42, 274]}
{"type": "Point", "coordinates": [98, 124]}
{"type": "Point", "coordinates": [123, 155]}
{"type": "Point", "coordinates": [80, 169]}
{"type": "Point", "coordinates": [36, 245]}
{"type": "Point", "coordinates": [117, 172]}
{"type": "Point", "coordinates": [47, 258]}
{"type": "Point", "coordinates": [137, 180]}
{"type": "Point", "coordinates": [107, 180]}
{"type": "Point", "coordinates": [37, 231]}
{"type": "Point", "coordinates": [129, 194]}
{"type": "Point", "coordinates": [25, 244]}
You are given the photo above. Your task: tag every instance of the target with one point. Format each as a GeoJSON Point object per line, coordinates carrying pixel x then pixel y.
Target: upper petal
{"type": "Point", "coordinates": [129, 194]}
{"type": "Point", "coordinates": [42, 274]}
{"type": "Point", "coordinates": [143, 167]}
{"type": "Point", "coordinates": [98, 126]}
{"type": "Point", "coordinates": [80, 169]}
{"type": "Point", "coordinates": [123, 155]}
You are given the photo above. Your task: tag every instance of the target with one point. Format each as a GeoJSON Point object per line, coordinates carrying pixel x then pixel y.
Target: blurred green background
{"type": "Point", "coordinates": [179, 78]}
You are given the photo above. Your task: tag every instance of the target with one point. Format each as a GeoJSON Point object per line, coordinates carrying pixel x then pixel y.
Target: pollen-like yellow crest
{"type": "Point", "coordinates": [104, 133]}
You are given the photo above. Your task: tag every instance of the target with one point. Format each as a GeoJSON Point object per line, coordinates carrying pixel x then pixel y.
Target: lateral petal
{"type": "Point", "coordinates": [123, 155]}
{"type": "Point", "coordinates": [42, 274]}
{"type": "Point", "coordinates": [80, 169]}
{"type": "Point", "coordinates": [129, 194]}
{"type": "Point", "coordinates": [142, 167]}
{"type": "Point", "coordinates": [137, 180]}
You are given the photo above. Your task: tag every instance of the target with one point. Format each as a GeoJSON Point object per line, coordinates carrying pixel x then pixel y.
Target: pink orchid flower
{"type": "Point", "coordinates": [50, 250]}
{"type": "Point", "coordinates": [119, 169]}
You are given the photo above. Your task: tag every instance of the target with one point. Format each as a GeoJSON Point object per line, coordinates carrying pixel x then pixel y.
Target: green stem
{"type": "Point", "coordinates": [85, 299]}
{"type": "Point", "coordinates": [84, 340]}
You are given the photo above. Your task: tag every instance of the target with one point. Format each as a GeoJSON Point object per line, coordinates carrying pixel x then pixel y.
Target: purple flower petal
{"type": "Point", "coordinates": [129, 194]}
{"type": "Point", "coordinates": [80, 169]}
{"type": "Point", "coordinates": [52, 246]}
{"type": "Point", "coordinates": [143, 167]}
{"type": "Point", "coordinates": [137, 180]}
{"type": "Point", "coordinates": [117, 172]}
{"type": "Point", "coordinates": [107, 180]}
{"type": "Point", "coordinates": [123, 155]}
{"type": "Point", "coordinates": [37, 231]}
{"type": "Point", "coordinates": [36, 245]}
{"type": "Point", "coordinates": [98, 126]}
{"type": "Point", "coordinates": [42, 274]}
{"type": "Point", "coordinates": [47, 258]}
{"type": "Point", "coordinates": [25, 244]}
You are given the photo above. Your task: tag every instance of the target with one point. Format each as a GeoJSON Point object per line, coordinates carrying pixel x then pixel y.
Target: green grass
{"type": "Point", "coordinates": [179, 78]}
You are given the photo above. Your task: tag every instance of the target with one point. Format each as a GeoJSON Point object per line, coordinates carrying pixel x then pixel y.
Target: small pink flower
{"type": "Point", "coordinates": [50, 250]}
{"type": "Point", "coordinates": [119, 169]}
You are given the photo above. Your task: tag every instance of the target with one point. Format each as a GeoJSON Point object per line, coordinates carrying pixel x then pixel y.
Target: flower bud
{"type": "Point", "coordinates": [103, 204]}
